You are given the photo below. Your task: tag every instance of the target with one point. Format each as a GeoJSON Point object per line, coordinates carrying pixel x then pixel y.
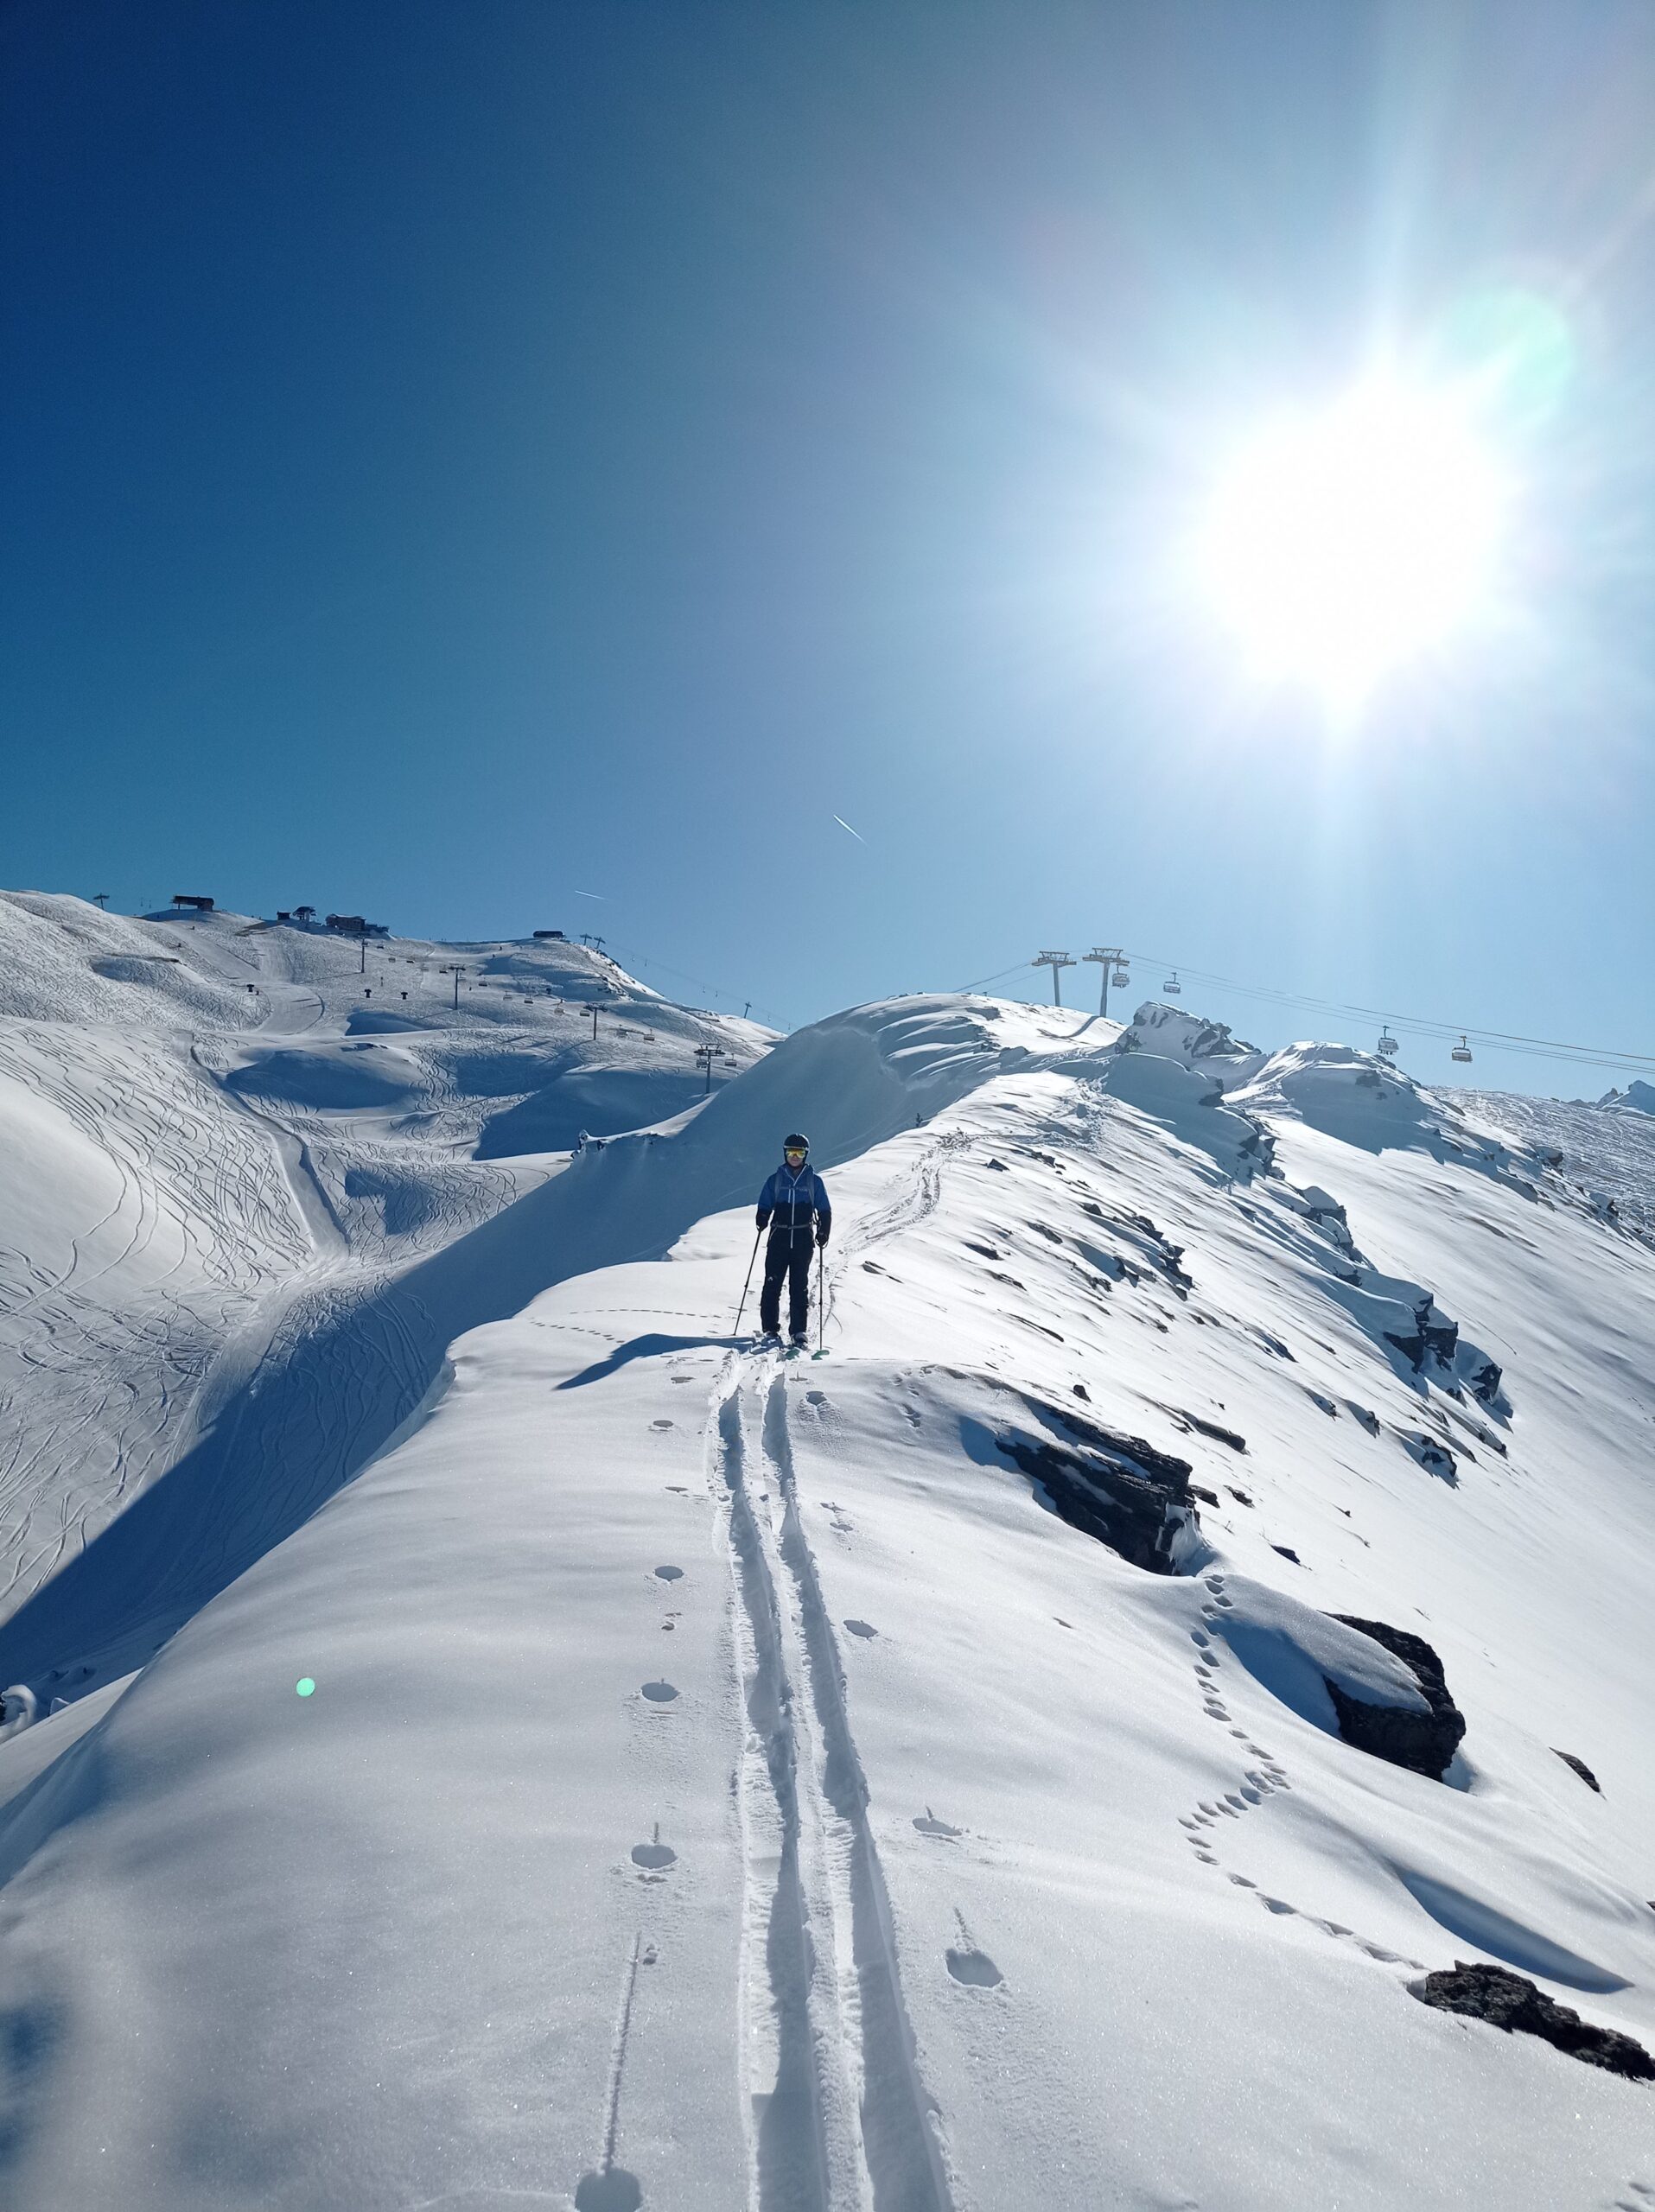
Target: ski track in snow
{"type": "Point", "coordinates": [243, 1284]}
{"type": "Point", "coordinates": [838, 2114]}
{"type": "Point", "coordinates": [233, 1308]}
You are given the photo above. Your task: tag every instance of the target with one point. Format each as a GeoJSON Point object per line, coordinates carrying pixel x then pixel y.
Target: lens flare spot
{"type": "Point", "coordinates": [1517, 348]}
{"type": "Point", "coordinates": [305, 1687]}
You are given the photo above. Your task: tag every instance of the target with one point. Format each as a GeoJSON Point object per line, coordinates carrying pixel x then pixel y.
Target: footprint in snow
{"type": "Point", "coordinates": [976, 1969]}
{"type": "Point", "coordinates": [615, 2192]}
{"type": "Point", "coordinates": [661, 1424]}
{"type": "Point", "coordinates": [861, 1628]}
{"type": "Point", "coordinates": [655, 1856]}
{"type": "Point", "coordinates": [928, 1824]}
{"type": "Point", "coordinates": [669, 1574]}
{"type": "Point", "coordinates": [815, 1397]}
{"type": "Point", "coordinates": [659, 1692]}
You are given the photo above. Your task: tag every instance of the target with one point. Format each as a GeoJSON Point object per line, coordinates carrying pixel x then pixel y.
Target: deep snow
{"type": "Point", "coordinates": [728, 1781]}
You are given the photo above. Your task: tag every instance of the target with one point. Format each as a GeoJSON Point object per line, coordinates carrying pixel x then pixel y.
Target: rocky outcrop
{"type": "Point", "coordinates": [1581, 1768]}
{"type": "Point", "coordinates": [1512, 2002]}
{"type": "Point", "coordinates": [1424, 1742]}
{"type": "Point", "coordinates": [1479, 1374]}
{"type": "Point", "coordinates": [1118, 1489]}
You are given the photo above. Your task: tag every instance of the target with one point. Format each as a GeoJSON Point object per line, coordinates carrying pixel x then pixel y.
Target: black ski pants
{"type": "Point", "coordinates": [788, 1253]}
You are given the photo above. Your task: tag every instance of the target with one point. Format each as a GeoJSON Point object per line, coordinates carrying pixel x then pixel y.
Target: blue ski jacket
{"type": "Point", "coordinates": [794, 1202]}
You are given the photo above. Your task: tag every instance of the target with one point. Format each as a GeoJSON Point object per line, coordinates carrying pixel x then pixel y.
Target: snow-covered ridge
{"type": "Point", "coordinates": [877, 1782]}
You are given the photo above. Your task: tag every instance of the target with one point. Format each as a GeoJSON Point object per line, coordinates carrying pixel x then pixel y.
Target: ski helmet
{"type": "Point", "coordinates": [795, 1143]}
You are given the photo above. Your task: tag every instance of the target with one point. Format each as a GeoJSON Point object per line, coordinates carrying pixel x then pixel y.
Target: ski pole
{"type": "Point", "coordinates": [821, 1262]}
{"type": "Point", "coordinates": [742, 1308]}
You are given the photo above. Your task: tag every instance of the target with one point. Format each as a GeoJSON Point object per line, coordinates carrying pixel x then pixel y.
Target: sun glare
{"type": "Point", "coordinates": [1340, 545]}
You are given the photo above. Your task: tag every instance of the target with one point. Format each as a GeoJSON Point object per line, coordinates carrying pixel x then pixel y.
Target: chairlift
{"type": "Point", "coordinates": [1119, 980]}
{"type": "Point", "coordinates": [1172, 987]}
{"type": "Point", "coordinates": [1388, 1045]}
{"type": "Point", "coordinates": [1461, 1051]}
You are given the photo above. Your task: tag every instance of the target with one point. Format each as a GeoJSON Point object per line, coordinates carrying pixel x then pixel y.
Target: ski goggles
{"type": "Point", "coordinates": [792, 1151]}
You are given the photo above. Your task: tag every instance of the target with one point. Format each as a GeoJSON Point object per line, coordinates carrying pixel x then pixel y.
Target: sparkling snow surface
{"type": "Point", "coordinates": [728, 1783]}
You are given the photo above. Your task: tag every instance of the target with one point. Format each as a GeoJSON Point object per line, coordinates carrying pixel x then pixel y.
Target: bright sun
{"type": "Point", "coordinates": [1340, 545]}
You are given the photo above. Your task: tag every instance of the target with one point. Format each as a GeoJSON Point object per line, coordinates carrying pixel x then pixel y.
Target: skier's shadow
{"type": "Point", "coordinates": [649, 1347]}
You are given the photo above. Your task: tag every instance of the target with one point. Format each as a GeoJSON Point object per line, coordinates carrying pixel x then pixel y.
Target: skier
{"type": "Point", "coordinates": [793, 1206]}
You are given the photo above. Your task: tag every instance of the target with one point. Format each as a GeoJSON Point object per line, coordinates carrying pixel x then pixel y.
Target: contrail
{"type": "Point", "coordinates": [856, 834]}
{"type": "Point", "coordinates": [600, 895]}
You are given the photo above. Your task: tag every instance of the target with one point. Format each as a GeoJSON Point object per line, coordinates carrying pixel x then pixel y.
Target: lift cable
{"type": "Point", "coordinates": [1421, 1025]}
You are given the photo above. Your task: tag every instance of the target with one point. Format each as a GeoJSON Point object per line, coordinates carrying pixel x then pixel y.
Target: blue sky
{"type": "Point", "coordinates": [459, 455]}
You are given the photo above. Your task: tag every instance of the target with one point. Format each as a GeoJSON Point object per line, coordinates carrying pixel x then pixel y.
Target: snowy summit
{"type": "Point", "coordinates": [1150, 1707]}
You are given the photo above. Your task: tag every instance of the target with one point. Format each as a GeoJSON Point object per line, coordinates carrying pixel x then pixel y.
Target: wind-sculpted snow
{"type": "Point", "coordinates": [1598, 1157]}
{"type": "Point", "coordinates": [1188, 1102]}
{"type": "Point", "coordinates": [724, 1782]}
{"type": "Point", "coordinates": [1170, 1033]}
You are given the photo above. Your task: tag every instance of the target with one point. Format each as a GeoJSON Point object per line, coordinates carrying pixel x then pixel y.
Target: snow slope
{"type": "Point", "coordinates": [731, 1782]}
{"type": "Point", "coordinates": [224, 1167]}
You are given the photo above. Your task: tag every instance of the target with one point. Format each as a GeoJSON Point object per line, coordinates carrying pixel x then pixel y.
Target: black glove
{"type": "Point", "coordinates": [821, 1238]}
{"type": "Point", "coordinates": [763, 1220]}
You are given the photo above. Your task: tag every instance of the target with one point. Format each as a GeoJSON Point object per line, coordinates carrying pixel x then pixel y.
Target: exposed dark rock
{"type": "Point", "coordinates": [1082, 1391]}
{"type": "Point", "coordinates": [999, 1167]}
{"type": "Point", "coordinates": [1581, 1768]}
{"type": "Point", "coordinates": [1211, 1428]}
{"type": "Point", "coordinates": [1207, 1496]}
{"type": "Point", "coordinates": [1479, 1374]}
{"type": "Point", "coordinates": [1434, 1458]}
{"type": "Point", "coordinates": [1424, 1742]}
{"type": "Point", "coordinates": [1511, 2001]}
{"type": "Point", "coordinates": [1287, 1552]}
{"type": "Point", "coordinates": [1240, 1495]}
{"type": "Point", "coordinates": [1118, 1489]}
{"type": "Point", "coordinates": [1441, 1335]}
{"type": "Point", "coordinates": [1162, 1253]}
{"type": "Point", "coordinates": [984, 1251]}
